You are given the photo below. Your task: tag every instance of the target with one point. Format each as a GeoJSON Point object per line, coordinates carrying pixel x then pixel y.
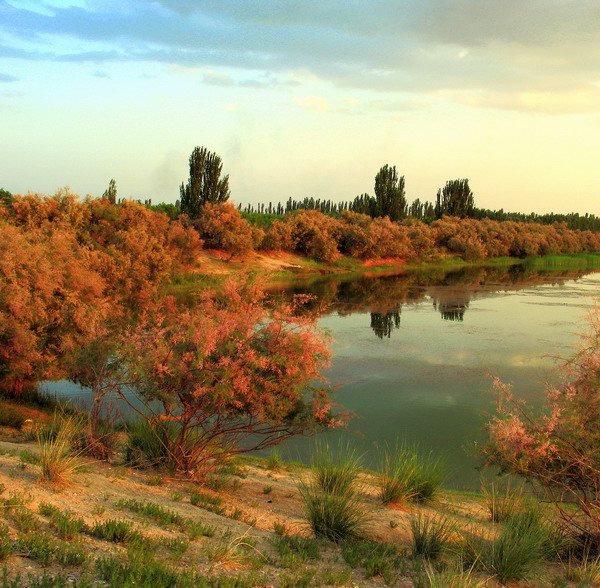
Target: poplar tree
{"type": "Point", "coordinates": [455, 199]}
{"type": "Point", "coordinates": [389, 194]}
{"type": "Point", "coordinates": [111, 192]}
{"type": "Point", "coordinates": [205, 183]}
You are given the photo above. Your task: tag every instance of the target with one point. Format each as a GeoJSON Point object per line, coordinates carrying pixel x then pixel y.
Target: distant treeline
{"type": "Point", "coordinates": [425, 211]}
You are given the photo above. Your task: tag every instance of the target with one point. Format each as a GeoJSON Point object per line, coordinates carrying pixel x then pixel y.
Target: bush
{"type": "Point", "coordinates": [558, 451]}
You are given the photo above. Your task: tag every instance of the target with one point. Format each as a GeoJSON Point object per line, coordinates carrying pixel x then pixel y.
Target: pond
{"type": "Point", "coordinates": [414, 354]}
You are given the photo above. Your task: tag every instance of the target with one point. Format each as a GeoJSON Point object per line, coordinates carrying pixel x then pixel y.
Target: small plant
{"type": "Point", "coordinates": [27, 457]}
{"type": "Point", "coordinates": [429, 536]}
{"type": "Point", "coordinates": [408, 475]}
{"type": "Point", "coordinates": [147, 446]}
{"type": "Point", "coordinates": [58, 462]}
{"type": "Point", "coordinates": [304, 579]}
{"type": "Point", "coordinates": [208, 502]}
{"type": "Point", "coordinates": [524, 541]}
{"type": "Point", "coordinates": [275, 461]}
{"type": "Point", "coordinates": [337, 473]}
{"type": "Point", "coordinates": [176, 497]}
{"type": "Point", "coordinates": [38, 545]}
{"type": "Point", "coordinates": [67, 554]}
{"type": "Point", "coordinates": [448, 578]}
{"type": "Point", "coordinates": [6, 546]}
{"type": "Point", "coordinates": [280, 529]}
{"type": "Point", "coordinates": [195, 530]}
{"type": "Point", "coordinates": [117, 531]}
{"type": "Point", "coordinates": [334, 516]}
{"type": "Point", "coordinates": [232, 550]}
{"type": "Point", "coordinates": [151, 510]}
{"type": "Point", "coordinates": [334, 578]}
{"type": "Point", "coordinates": [377, 559]}
{"type": "Point", "coordinates": [502, 503]}
{"type": "Point", "coordinates": [175, 545]}
{"type": "Point", "coordinates": [267, 490]}
{"type": "Point", "coordinates": [295, 550]}
{"type": "Point", "coordinates": [584, 573]}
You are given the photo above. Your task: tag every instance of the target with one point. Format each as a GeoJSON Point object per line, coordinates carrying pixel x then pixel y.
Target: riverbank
{"type": "Point", "coordinates": [247, 528]}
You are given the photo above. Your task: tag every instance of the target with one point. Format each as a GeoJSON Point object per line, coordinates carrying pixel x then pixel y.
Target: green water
{"type": "Point", "coordinates": [414, 354]}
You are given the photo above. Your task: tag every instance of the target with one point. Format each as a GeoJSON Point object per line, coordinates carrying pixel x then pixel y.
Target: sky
{"type": "Point", "coordinates": [305, 97]}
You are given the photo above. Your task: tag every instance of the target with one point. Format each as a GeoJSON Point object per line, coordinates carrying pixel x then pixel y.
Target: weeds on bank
{"type": "Point", "coordinates": [334, 517]}
{"type": "Point", "coordinates": [430, 535]}
{"type": "Point", "coordinates": [502, 503]}
{"type": "Point", "coordinates": [408, 475]}
{"type": "Point", "coordinates": [66, 525]}
{"type": "Point", "coordinates": [376, 558]}
{"type": "Point", "coordinates": [58, 461]}
{"type": "Point", "coordinates": [523, 543]}
{"type": "Point", "coordinates": [294, 550]}
{"type": "Point", "coordinates": [208, 502]}
{"type": "Point", "coordinates": [335, 473]}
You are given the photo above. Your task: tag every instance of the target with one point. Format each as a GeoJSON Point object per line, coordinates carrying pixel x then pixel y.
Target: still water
{"type": "Point", "coordinates": [414, 354]}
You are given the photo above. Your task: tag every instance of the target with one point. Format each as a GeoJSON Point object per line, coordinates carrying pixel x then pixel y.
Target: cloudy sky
{"type": "Point", "coordinates": [305, 97]}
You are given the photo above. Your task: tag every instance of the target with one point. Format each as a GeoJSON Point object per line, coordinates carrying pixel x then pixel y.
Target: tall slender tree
{"type": "Point", "coordinates": [111, 192]}
{"type": "Point", "coordinates": [389, 193]}
{"type": "Point", "coordinates": [455, 199]}
{"type": "Point", "coordinates": [205, 183]}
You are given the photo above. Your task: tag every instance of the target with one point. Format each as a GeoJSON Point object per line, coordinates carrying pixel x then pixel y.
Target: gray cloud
{"type": "Point", "coordinates": [502, 47]}
{"type": "Point", "coordinates": [6, 78]}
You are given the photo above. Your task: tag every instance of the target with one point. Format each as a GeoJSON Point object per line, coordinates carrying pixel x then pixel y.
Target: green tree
{"type": "Point", "coordinates": [455, 199]}
{"type": "Point", "coordinates": [111, 192]}
{"type": "Point", "coordinates": [5, 197]}
{"type": "Point", "coordinates": [205, 183]}
{"type": "Point", "coordinates": [389, 193]}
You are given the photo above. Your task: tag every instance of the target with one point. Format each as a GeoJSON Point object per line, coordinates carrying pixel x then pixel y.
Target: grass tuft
{"type": "Point", "coordinates": [408, 475]}
{"type": "Point", "coordinates": [335, 473]}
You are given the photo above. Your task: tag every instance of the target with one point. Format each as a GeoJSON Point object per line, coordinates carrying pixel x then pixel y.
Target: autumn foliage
{"type": "Point", "coordinates": [226, 376]}
{"type": "Point", "coordinates": [559, 453]}
{"type": "Point", "coordinates": [67, 266]}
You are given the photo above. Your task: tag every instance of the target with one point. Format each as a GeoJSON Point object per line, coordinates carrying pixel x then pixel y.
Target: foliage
{"type": "Point", "coordinates": [389, 193]}
{"type": "Point", "coordinates": [204, 184]}
{"type": "Point", "coordinates": [222, 227]}
{"type": "Point", "coordinates": [455, 199]}
{"type": "Point", "coordinates": [111, 192]}
{"type": "Point", "coordinates": [558, 452]}
{"type": "Point", "coordinates": [228, 375]}
{"type": "Point", "coordinates": [524, 542]}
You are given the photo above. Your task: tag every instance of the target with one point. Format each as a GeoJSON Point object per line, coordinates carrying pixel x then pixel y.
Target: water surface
{"type": "Point", "coordinates": [414, 354]}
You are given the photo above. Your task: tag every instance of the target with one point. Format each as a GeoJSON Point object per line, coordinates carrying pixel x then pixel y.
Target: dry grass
{"type": "Point", "coordinates": [58, 461]}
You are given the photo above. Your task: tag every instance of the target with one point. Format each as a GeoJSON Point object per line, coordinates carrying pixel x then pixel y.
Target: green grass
{"type": "Point", "coordinates": [430, 535]}
{"type": "Point", "coordinates": [294, 550]}
{"type": "Point", "coordinates": [375, 557]}
{"type": "Point", "coordinates": [407, 474]}
{"type": "Point", "coordinates": [208, 502]}
{"type": "Point", "coordinates": [116, 531]}
{"type": "Point", "coordinates": [334, 517]}
{"type": "Point", "coordinates": [58, 461]}
{"type": "Point", "coordinates": [66, 524]}
{"type": "Point", "coordinates": [335, 472]}
{"type": "Point", "coordinates": [523, 543]}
